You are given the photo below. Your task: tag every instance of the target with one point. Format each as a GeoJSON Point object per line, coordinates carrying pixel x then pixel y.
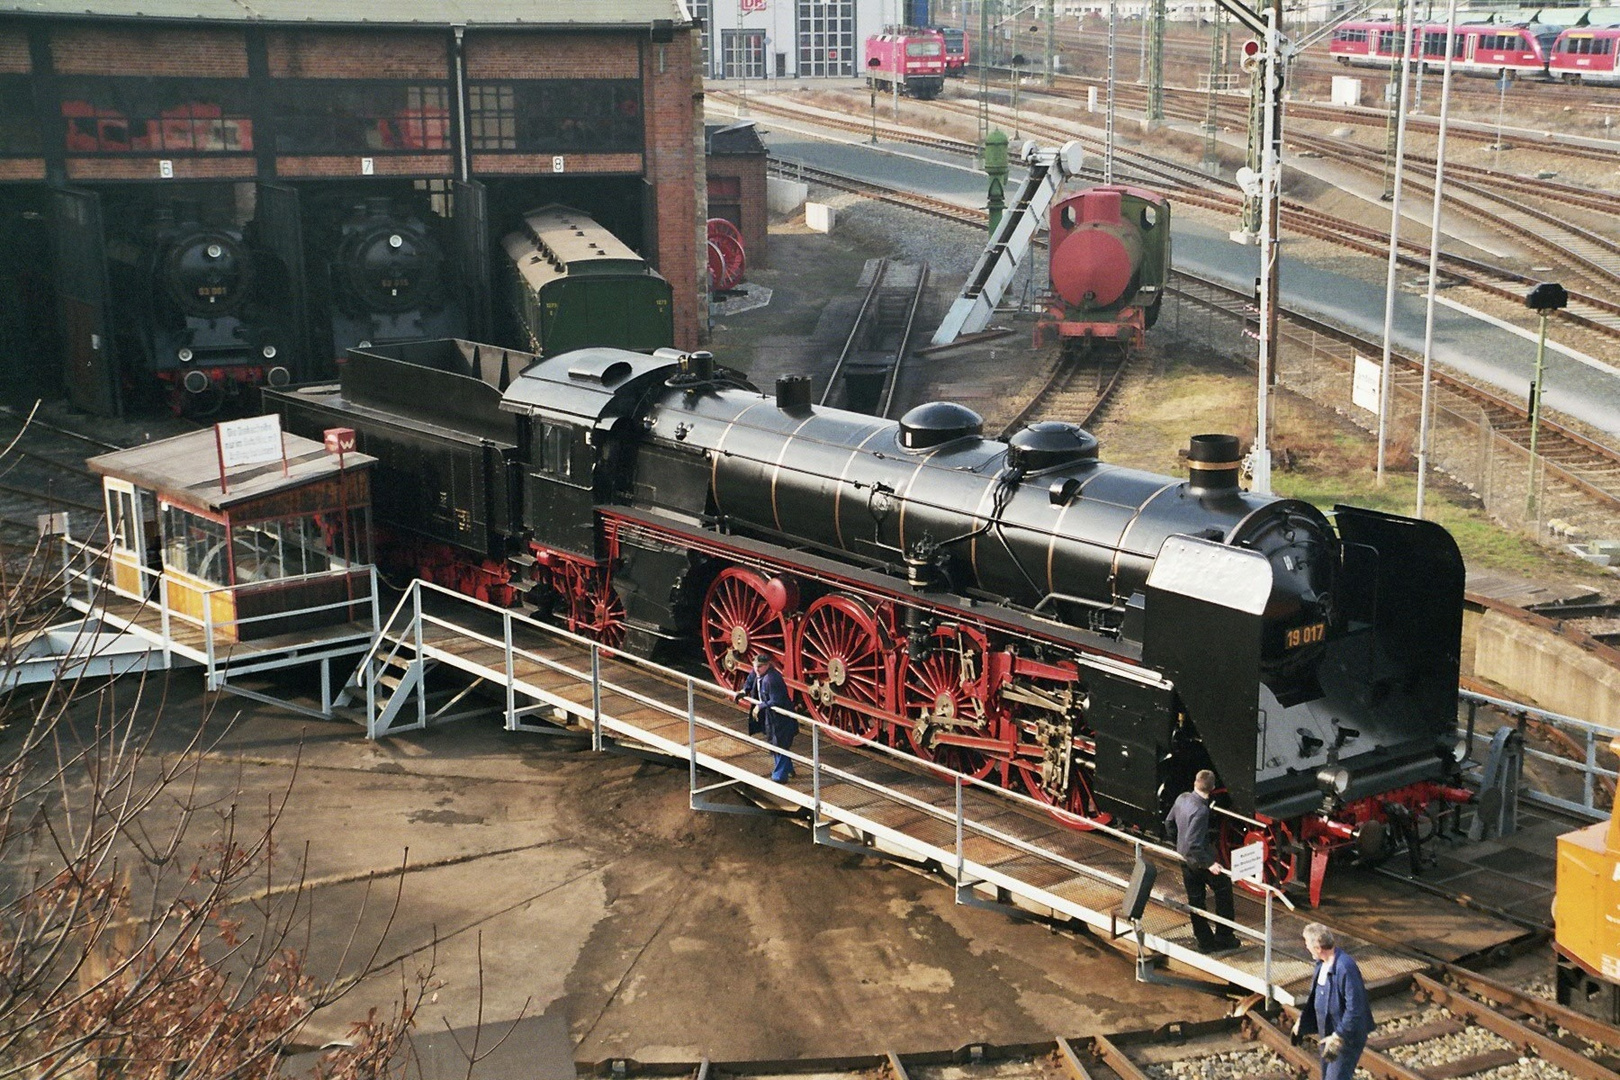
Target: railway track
{"type": "Point", "coordinates": [42, 472]}
{"type": "Point", "coordinates": [1444, 1025]}
{"type": "Point", "coordinates": [1591, 256]}
{"type": "Point", "coordinates": [1191, 104]}
{"type": "Point", "coordinates": [1589, 310]}
{"type": "Point", "coordinates": [1587, 465]}
{"type": "Point", "coordinates": [1076, 390]}
{"type": "Point", "coordinates": [882, 329]}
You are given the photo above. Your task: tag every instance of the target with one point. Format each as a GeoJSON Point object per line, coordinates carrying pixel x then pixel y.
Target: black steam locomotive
{"type": "Point", "coordinates": [381, 273]}
{"type": "Point", "coordinates": [199, 307]}
{"type": "Point", "coordinates": [1089, 634]}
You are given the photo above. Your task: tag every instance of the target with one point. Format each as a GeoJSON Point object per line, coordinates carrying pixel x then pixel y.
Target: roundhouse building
{"type": "Point", "coordinates": [284, 119]}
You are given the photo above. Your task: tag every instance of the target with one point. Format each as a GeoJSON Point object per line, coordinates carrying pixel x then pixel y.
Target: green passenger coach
{"type": "Point", "coordinates": [574, 284]}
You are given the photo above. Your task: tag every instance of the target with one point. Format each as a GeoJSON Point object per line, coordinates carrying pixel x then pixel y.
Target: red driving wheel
{"type": "Point", "coordinates": [594, 608]}
{"type": "Point", "coordinates": [738, 621]}
{"type": "Point", "coordinates": [842, 665]}
{"type": "Point", "coordinates": [727, 259]}
{"type": "Point", "coordinates": [941, 689]}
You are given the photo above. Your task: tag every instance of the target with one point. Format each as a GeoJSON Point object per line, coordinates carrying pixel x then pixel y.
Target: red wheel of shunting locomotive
{"type": "Point", "coordinates": [942, 693]}
{"type": "Point", "coordinates": [727, 259]}
{"type": "Point", "coordinates": [739, 620]}
{"type": "Point", "coordinates": [843, 665]}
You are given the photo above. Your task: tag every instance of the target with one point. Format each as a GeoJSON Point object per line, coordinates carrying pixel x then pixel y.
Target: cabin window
{"type": "Point", "coordinates": [292, 547]}
{"type": "Point", "coordinates": [195, 545]}
{"type": "Point", "coordinates": [560, 453]}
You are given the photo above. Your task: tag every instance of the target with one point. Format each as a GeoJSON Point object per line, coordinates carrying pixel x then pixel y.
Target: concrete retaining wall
{"type": "Point", "coordinates": [1537, 660]}
{"type": "Point", "coordinates": [785, 196]}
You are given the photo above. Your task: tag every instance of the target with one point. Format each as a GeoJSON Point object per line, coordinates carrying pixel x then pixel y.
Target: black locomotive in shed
{"type": "Point", "coordinates": [382, 272]}
{"type": "Point", "coordinates": [201, 311]}
{"type": "Point", "coordinates": [1020, 610]}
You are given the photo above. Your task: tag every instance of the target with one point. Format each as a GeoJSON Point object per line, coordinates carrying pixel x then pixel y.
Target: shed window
{"type": "Point", "coordinates": [114, 115]}
{"type": "Point", "coordinates": [327, 116]}
{"type": "Point", "coordinates": [19, 131]}
{"type": "Point", "coordinates": [550, 115]}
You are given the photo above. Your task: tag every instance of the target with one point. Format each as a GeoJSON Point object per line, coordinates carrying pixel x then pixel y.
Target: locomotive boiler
{"type": "Point", "coordinates": [1021, 611]}
{"type": "Point", "coordinates": [199, 308]}
{"type": "Point", "coordinates": [1109, 260]}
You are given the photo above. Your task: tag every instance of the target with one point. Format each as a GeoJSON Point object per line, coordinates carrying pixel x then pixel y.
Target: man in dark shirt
{"type": "Point", "coordinates": [766, 686]}
{"type": "Point", "coordinates": [1188, 826]}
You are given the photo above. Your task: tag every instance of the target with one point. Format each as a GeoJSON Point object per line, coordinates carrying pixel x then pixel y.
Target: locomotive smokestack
{"type": "Point", "coordinates": [1212, 464]}
{"type": "Point", "coordinates": [793, 393]}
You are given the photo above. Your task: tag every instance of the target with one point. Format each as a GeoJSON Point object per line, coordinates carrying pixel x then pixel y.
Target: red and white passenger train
{"type": "Point", "coordinates": [1492, 49]}
{"type": "Point", "coordinates": [1586, 54]}
{"type": "Point", "coordinates": [1575, 54]}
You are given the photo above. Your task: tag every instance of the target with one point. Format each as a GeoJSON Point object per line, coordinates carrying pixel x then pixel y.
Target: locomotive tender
{"type": "Point", "coordinates": [1109, 258]}
{"type": "Point", "coordinates": [1021, 610]}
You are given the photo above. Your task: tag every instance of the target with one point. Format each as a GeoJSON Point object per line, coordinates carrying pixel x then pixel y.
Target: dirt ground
{"type": "Point", "coordinates": [547, 879]}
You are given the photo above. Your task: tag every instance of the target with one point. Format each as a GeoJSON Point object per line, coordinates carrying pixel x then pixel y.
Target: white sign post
{"type": "Point", "coordinates": [251, 441]}
{"type": "Point", "coordinates": [1364, 384]}
{"type": "Point", "coordinates": [1249, 862]}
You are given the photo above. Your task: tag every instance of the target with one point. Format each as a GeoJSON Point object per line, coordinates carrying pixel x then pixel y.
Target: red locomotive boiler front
{"type": "Point", "coordinates": [1110, 252]}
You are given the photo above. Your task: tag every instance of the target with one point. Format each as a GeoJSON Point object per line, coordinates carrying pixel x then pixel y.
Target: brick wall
{"type": "Point", "coordinates": [157, 50]}
{"type": "Point", "coordinates": [22, 169]}
{"type": "Point", "coordinates": [144, 168]}
{"type": "Point", "coordinates": [357, 54]}
{"type": "Point", "coordinates": [551, 56]}
{"type": "Point", "coordinates": [675, 169]}
{"type": "Point", "coordinates": [486, 165]}
{"type": "Point", "coordinates": [749, 172]}
{"type": "Point", "coordinates": [424, 165]}
{"type": "Point", "coordinates": [14, 59]}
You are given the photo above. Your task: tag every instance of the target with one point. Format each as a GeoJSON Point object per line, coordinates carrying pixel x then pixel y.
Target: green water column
{"type": "Point", "coordinates": [995, 165]}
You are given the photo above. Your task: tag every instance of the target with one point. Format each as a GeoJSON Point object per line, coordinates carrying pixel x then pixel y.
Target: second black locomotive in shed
{"type": "Point", "coordinates": [1020, 610]}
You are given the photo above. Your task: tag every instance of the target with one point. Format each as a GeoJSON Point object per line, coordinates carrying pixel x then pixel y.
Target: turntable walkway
{"type": "Point", "coordinates": [996, 848]}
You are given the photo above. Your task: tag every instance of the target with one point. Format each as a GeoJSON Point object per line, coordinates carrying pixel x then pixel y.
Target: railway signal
{"type": "Point", "coordinates": [1544, 299]}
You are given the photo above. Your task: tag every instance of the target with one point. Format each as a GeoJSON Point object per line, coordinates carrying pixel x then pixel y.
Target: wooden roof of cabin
{"type": "Point", "coordinates": [184, 470]}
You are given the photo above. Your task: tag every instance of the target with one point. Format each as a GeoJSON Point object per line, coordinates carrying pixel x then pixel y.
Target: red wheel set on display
{"type": "Point", "coordinates": [727, 260]}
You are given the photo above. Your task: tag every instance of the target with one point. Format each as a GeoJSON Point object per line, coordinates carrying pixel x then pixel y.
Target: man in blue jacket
{"type": "Point", "coordinates": [1337, 1007]}
{"type": "Point", "coordinates": [766, 686]}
